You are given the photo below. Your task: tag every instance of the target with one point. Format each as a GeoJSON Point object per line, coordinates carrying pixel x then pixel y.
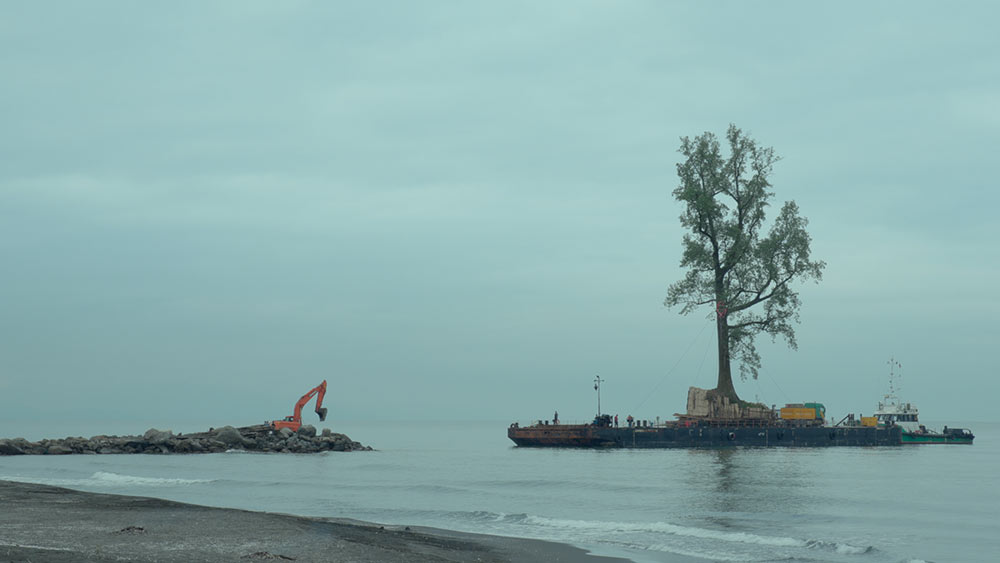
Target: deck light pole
{"type": "Point", "coordinates": [597, 387]}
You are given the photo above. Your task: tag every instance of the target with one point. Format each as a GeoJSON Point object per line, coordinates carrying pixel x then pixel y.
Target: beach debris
{"type": "Point", "coordinates": [267, 555]}
{"type": "Point", "coordinates": [132, 530]}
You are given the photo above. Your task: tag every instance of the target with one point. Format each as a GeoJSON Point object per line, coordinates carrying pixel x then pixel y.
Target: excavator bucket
{"type": "Point", "coordinates": [322, 413]}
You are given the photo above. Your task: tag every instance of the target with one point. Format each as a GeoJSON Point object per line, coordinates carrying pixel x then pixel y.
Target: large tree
{"type": "Point", "coordinates": [743, 275]}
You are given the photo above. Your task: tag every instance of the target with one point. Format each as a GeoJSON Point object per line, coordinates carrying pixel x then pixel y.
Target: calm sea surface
{"type": "Point", "coordinates": [866, 505]}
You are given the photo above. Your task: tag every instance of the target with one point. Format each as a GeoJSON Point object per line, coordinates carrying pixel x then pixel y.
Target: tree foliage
{"type": "Point", "coordinates": [745, 275]}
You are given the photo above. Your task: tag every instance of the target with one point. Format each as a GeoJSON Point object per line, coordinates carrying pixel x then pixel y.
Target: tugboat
{"type": "Point", "coordinates": [893, 412]}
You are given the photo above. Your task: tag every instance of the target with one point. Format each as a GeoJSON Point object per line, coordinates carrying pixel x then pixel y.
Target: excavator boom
{"type": "Point", "coordinates": [294, 422]}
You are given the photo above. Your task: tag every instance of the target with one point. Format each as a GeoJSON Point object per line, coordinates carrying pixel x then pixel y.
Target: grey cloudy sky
{"type": "Point", "coordinates": [456, 210]}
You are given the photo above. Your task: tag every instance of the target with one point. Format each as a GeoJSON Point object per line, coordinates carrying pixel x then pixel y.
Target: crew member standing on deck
{"type": "Point", "coordinates": [555, 418]}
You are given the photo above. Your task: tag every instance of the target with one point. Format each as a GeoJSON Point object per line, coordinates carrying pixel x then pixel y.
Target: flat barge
{"type": "Point", "coordinates": [700, 435]}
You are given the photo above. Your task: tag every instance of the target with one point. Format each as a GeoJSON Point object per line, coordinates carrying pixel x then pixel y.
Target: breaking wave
{"type": "Point", "coordinates": [575, 528]}
{"type": "Point", "coordinates": [844, 548]}
{"type": "Point", "coordinates": [119, 479]}
{"type": "Point", "coordinates": [29, 546]}
{"type": "Point", "coordinates": [643, 527]}
{"type": "Point", "coordinates": [107, 478]}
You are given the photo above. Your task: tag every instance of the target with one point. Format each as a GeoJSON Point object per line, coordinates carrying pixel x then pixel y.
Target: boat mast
{"type": "Point", "coordinates": [597, 387]}
{"type": "Point", "coordinates": [893, 364]}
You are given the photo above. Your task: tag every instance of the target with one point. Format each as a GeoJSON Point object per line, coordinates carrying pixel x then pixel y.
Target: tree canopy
{"type": "Point", "coordinates": [745, 276]}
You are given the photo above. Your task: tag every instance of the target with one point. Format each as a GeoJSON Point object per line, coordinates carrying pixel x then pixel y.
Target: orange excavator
{"type": "Point", "coordinates": [294, 422]}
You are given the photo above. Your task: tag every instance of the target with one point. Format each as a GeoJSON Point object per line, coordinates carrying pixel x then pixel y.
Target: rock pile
{"type": "Point", "coordinates": [260, 438]}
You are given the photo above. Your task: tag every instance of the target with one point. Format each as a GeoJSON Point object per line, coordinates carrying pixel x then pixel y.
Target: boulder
{"type": "Point", "coordinates": [286, 432]}
{"type": "Point", "coordinates": [155, 436]}
{"type": "Point", "coordinates": [307, 430]}
{"type": "Point", "coordinates": [327, 432]}
{"type": "Point", "coordinates": [9, 448]}
{"type": "Point", "coordinates": [58, 449]}
{"type": "Point", "coordinates": [230, 436]}
{"type": "Point", "coordinates": [216, 446]}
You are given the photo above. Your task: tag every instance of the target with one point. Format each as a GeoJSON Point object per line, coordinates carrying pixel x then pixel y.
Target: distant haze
{"type": "Point", "coordinates": [457, 210]}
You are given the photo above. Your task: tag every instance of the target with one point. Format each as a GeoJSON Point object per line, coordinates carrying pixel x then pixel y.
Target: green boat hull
{"type": "Point", "coordinates": [934, 438]}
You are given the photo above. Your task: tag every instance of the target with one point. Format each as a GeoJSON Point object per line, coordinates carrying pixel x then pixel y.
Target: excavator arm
{"type": "Point", "coordinates": [319, 391]}
{"type": "Point", "coordinates": [295, 421]}
{"type": "Point", "coordinates": [320, 409]}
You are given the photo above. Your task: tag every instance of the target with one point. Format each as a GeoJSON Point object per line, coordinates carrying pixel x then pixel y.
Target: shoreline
{"type": "Point", "coordinates": [42, 523]}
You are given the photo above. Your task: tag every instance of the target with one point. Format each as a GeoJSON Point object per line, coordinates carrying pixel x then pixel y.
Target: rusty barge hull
{"type": "Point", "coordinates": [680, 436]}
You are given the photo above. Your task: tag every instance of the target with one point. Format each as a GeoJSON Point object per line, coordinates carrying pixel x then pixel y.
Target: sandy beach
{"type": "Point", "coordinates": [40, 523]}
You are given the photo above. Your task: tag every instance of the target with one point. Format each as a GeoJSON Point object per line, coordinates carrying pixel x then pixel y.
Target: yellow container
{"type": "Point", "coordinates": [869, 421]}
{"type": "Point", "coordinates": [798, 413]}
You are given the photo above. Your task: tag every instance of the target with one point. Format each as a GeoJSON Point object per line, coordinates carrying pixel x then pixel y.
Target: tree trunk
{"type": "Point", "coordinates": [725, 385]}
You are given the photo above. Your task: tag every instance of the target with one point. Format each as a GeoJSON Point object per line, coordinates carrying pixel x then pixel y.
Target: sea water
{"type": "Point", "coordinates": [867, 505]}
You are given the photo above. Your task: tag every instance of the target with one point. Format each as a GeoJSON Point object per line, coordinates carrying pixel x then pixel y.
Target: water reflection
{"type": "Point", "coordinates": [749, 480]}
{"type": "Point", "coordinates": [718, 478]}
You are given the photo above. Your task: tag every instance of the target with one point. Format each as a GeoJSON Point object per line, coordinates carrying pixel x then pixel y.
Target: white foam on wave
{"type": "Point", "coordinates": [29, 546]}
{"type": "Point", "coordinates": [104, 479]}
{"type": "Point", "coordinates": [559, 528]}
{"type": "Point", "coordinates": [497, 516]}
{"type": "Point", "coordinates": [850, 549]}
{"type": "Point", "coordinates": [842, 548]}
{"type": "Point", "coordinates": [119, 479]}
{"type": "Point", "coordinates": [616, 533]}
{"type": "Point", "coordinates": [667, 528]}
{"type": "Point", "coordinates": [711, 556]}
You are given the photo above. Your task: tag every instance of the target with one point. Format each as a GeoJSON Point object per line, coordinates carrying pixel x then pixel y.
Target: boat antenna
{"type": "Point", "coordinates": [893, 364]}
{"type": "Point", "coordinates": [597, 387]}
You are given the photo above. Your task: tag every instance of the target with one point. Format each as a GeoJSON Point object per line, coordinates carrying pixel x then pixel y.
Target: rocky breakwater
{"type": "Point", "coordinates": [260, 438]}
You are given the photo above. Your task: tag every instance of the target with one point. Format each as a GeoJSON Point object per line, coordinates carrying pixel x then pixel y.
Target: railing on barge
{"type": "Point", "coordinates": [685, 421]}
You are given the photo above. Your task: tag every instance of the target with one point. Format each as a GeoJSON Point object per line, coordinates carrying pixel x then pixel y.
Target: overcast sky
{"type": "Point", "coordinates": [463, 210]}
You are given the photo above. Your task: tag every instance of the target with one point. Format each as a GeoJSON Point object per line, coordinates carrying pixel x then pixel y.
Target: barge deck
{"type": "Point", "coordinates": [680, 435]}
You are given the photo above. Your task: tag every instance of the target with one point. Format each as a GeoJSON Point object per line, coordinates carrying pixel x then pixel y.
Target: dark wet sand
{"type": "Point", "coordinates": [39, 523]}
